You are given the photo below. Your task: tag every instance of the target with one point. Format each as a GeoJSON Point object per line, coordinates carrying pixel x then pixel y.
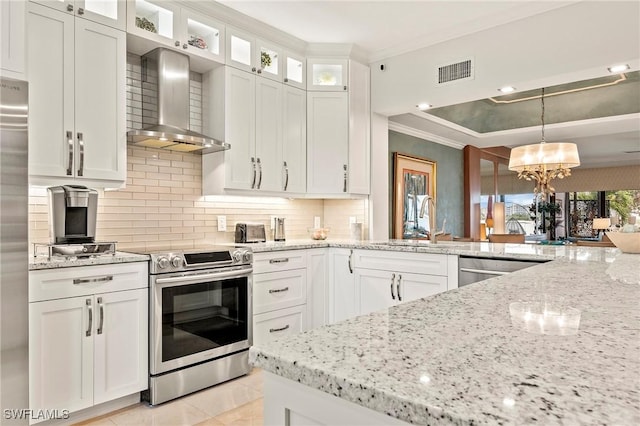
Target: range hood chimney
{"type": "Point", "coordinates": [169, 128]}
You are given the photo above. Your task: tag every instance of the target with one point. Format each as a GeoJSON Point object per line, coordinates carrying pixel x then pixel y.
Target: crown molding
{"type": "Point", "coordinates": [401, 128]}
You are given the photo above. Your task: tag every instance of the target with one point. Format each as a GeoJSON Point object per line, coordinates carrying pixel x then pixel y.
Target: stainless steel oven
{"type": "Point", "coordinates": [200, 327]}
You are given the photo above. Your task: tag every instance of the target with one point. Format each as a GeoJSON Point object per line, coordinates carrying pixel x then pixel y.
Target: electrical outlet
{"type": "Point", "coordinates": [316, 222]}
{"type": "Point", "coordinates": [222, 223]}
{"type": "Point", "coordinates": [352, 219]}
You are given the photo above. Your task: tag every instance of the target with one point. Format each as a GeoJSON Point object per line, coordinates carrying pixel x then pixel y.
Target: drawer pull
{"type": "Point", "coordinates": [393, 278]}
{"type": "Point", "coordinates": [77, 281]}
{"type": "Point", "coordinates": [279, 290]}
{"type": "Point", "coordinates": [398, 287]}
{"type": "Point", "coordinates": [273, 330]}
{"type": "Point", "coordinates": [281, 260]}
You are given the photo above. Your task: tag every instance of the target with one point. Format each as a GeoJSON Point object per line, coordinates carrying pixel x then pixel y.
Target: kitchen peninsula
{"type": "Point", "coordinates": [456, 357]}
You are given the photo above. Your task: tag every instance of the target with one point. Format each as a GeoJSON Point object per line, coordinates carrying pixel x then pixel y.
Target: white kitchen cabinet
{"type": "Point", "coordinates": [318, 287]}
{"type": "Point", "coordinates": [249, 112]}
{"type": "Point", "coordinates": [151, 23]}
{"type": "Point", "coordinates": [384, 279]}
{"type": "Point", "coordinates": [77, 117]}
{"type": "Point", "coordinates": [294, 140]}
{"type": "Point", "coordinates": [88, 335]}
{"type": "Point", "coordinates": [107, 12]}
{"type": "Point", "coordinates": [12, 39]}
{"type": "Point", "coordinates": [249, 53]}
{"type": "Point", "coordinates": [342, 297]}
{"type": "Point", "coordinates": [279, 294]}
{"type": "Point", "coordinates": [338, 137]}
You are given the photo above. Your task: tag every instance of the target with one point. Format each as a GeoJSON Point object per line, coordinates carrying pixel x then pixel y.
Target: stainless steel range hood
{"type": "Point", "coordinates": [168, 127]}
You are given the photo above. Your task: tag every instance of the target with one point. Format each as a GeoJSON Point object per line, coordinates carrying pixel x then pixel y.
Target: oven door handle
{"type": "Point", "coordinates": [191, 279]}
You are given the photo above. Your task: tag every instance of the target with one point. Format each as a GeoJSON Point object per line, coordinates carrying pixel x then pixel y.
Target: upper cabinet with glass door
{"type": "Point", "coordinates": [327, 75]}
{"type": "Point", "coordinates": [295, 70]}
{"type": "Point", "coordinates": [107, 12]}
{"type": "Point", "coordinates": [160, 22]}
{"type": "Point", "coordinates": [248, 53]}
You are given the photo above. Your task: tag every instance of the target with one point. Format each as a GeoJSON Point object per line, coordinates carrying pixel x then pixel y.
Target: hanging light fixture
{"type": "Point", "coordinates": [544, 161]}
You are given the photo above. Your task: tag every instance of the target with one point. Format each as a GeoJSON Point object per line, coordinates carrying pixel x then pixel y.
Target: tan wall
{"type": "Point", "coordinates": [161, 206]}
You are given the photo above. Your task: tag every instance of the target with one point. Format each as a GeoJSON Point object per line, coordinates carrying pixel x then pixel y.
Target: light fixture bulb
{"type": "Point", "coordinates": [423, 106]}
{"type": "Point", "coordinates": [618, 68]}
{"type": "Point", "coordinates": [507, 89]}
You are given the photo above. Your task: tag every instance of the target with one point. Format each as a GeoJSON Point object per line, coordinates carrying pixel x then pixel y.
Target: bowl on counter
{"type": "Point", "coordinates": [318, 233]}
{"type": "Point", "coordinates": [627, 242]}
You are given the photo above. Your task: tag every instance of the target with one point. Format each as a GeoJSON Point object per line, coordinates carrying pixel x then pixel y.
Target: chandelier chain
{"type": "Point", "coordinates": [542, 117]}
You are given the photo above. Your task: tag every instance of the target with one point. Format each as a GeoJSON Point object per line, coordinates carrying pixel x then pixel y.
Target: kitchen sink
{"type": "Point", "coordinates": [425, 243]}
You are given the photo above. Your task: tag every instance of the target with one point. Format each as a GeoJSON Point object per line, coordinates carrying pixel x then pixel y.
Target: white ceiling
{"type": "Point", "coordinates": [405, 33]}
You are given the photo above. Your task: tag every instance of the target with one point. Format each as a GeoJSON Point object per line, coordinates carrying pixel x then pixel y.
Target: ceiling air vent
{"type": "Point", "coordinates": [462, 70]}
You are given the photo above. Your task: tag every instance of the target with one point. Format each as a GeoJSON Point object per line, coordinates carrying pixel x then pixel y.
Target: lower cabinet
{"type": "Point", "coordinates": [88, 335]}
{"type": "Point", "coordinates": [383, 279]}
{"type": "Point", "coordinates": [342, 298]}
{"type": "Point", "coordinates": [279, 294]}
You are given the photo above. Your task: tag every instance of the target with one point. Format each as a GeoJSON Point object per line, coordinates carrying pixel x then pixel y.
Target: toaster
{"type": "Point", "coordinates": [250, 233]}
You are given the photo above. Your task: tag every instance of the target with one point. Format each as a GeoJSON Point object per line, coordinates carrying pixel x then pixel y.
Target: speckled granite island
{"type": "Point", "coordinates": [457, 358]}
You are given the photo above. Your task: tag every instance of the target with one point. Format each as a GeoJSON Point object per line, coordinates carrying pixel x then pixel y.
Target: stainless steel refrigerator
{"type": "Point", "coordinates": [14, 306]}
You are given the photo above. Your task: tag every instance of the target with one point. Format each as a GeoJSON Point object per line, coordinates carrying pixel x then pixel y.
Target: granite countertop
{"type": "Point", "coordinates": [44, 262]}
{"type": "Point", "coordinates": [456, 357]}
{"type": "Point", "coordinates": [479, 249]}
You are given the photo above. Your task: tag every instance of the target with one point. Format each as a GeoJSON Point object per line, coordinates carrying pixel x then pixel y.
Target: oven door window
{"type": "Point", "coordinates": [204, 316]}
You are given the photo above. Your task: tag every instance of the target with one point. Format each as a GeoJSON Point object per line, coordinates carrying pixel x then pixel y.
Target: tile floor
{"type": "Point", "coordinates": [237, 402]}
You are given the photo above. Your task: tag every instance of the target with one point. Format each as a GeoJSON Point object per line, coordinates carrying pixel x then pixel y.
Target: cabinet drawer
{"type": "Point", "coordinates": [417, 263]}
{"type": "Point", "coordinates": [276, 324]}
{"type": "Point", "coordinates": [59, 283]}
{"type": "Point", "coordinates": [277, 290]}
{"type": "Point", "coordinates": [279, 261]}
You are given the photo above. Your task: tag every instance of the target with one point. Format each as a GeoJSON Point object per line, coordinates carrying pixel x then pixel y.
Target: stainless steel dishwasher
{"type": "Point", "coordinates": [473, 269]}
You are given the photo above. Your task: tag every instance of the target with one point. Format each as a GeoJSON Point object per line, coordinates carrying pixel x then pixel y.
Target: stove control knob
{"type": "Point", "coordinates": [163, 263]}
{"type": "Point", "coordinates": [176, 261]}
{"type": "Point", "coordinates": [246, 256]}
{"type": "Point", "coordinates": [237, 257]}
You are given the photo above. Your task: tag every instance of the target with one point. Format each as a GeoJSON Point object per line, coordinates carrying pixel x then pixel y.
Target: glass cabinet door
{"type": "Point", "coordinates": [270, 60]}
{"type": "Point", "coordinates": [240, 50]}
{"type": "Point", "coordinates": [327, 74]}
{"type": "Point", "coordinates": [154, 20]}
{"type": "Point", "coordinates": [294, 70]}
{"type": "Point", "coordinates": [202, 36]}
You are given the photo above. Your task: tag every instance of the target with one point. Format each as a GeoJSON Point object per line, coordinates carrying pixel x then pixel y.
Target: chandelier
{"type": "Point", "coordinates": [544, 161]}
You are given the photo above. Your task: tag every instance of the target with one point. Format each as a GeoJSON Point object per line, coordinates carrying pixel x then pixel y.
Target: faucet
{"type": "Point", "coordinates": [432, 216]}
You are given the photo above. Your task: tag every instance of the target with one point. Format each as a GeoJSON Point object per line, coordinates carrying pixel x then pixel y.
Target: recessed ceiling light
{"type": "Point", "coordinates": [423, 106]}
{"type": "Point", "coordinates": [618, 68]}
{"type": "Point", "coordinates": [507, 89]}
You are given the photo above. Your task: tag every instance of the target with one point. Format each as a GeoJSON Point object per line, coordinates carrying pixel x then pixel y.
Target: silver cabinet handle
{"type": "Point", "coordinates": [253, 166]}
{"type": "Point", "coordinates": [185, 46]}
{"type": "Point", "coordinates": [278, 290]}
{"type": "Point", "coordinates": [260, 175]}
{"type": "Point", "coordinates": [393, 279]}
{"type": "Point", "coordinates": [101, 323]}
{"type": "Point", "coordinates": [70, 145]}
{"type": "Point", "coordinates": [81, 146]}
{"type": "Point", "coordinates": [253, 69]}
{"type": "Point", "coordinates": [349, 263]}
{"type": "Point", "coordinates": [259, 71]}
{"type": "Point", "coordinates": [398, 287]}
{"type": "Point", "coordinates": [177, 43]}
{"type": "Point", "coordinates": [344, 87]}
{"type": "Point", "coordinates": [286, 80]}
{"type": "Point", "coordinates": [286, 176]}
{"type": "Point", "coordinates": [281, 260]}
{"type": "Point", "coordinates": [77, 281]}
{"type": "Point", "coordinates": [69, 8]}
{"type": "Point", "coordinates": [80, 11]}
{"type": "Point", "coordinates": [273, 330]}
{"type": "Point", "coordinates": [90, 310]}
{"type": "Point", "coordinates": [344, 188]}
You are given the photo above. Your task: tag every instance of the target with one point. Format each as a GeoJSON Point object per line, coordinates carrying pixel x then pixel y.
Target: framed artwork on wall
{"type": "Point", "coordinates": [414, 182]}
